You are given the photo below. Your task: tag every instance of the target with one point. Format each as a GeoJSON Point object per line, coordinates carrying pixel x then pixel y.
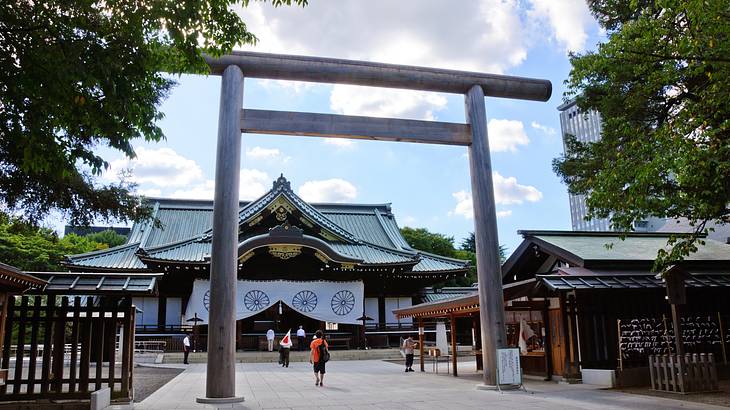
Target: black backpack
{"type": "Point", "coordinates": [324, 353]}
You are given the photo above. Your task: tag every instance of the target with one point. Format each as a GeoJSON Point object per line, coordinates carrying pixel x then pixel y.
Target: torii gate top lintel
{"type": "Point", "coordinates": [364, 73]}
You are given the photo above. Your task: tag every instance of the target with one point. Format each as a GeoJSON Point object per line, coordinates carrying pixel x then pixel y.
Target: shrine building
{"type": "Point", "coordinates": [330, 266]}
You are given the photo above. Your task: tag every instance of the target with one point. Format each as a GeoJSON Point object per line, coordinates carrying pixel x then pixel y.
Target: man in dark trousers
{"type": "Point", "coordinates": [301, 338]}
{"type": "Point", "coordinates": [186, 347]}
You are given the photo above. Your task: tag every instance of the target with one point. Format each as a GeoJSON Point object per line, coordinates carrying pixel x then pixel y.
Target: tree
{"type": "Point", "coordinates": [661, 83]}
{"type": "Point", "coordinates": [108, 237]}
{"type": "Point", "coordinates": [32, 248]}
{"type": "Point", "coordinates": [77, 76]}
{"type": "Point", "coordinates": [423, 240]}
{"type": "Point", "coordinates": [469, 244]}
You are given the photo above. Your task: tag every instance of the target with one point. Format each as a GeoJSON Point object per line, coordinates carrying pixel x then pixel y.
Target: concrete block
{"type": "Point", "coordinates": [101, 399]}
{"type": "Point", "coordinates": [599, 377]}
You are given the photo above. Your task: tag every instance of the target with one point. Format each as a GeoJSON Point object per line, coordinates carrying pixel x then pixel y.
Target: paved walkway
{"type": "Point", "coordinates": [377, 384]}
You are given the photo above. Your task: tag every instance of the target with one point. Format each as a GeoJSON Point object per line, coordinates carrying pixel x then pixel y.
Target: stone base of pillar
{"type": "Point", "coordinates": [494, 387]}
{"type": "Point", "coordinates": [219, 400]}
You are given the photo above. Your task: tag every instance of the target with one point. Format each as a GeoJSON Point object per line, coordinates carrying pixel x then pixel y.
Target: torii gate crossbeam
{"type": "Point", "coordinates": [233, 120]}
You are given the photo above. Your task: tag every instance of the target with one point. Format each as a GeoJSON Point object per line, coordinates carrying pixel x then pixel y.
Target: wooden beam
{"type": "Point", "coordinates": [331, 70]}
{"type": "Point", "coordinates": [357, 127]}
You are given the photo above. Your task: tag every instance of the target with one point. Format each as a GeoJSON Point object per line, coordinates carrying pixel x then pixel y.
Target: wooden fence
{"type": "Point", "coordinates": [690, 373]}
{"type": "Point", "coordinates": [44, 367]}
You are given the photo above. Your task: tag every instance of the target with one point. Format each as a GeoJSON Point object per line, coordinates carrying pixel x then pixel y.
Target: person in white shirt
{"type": "Point", "coordinates": [301, 337]}
{"type": "Point", "coordinates": [270, 338]}
{"type": "Point", "coordinates": [186, 348]}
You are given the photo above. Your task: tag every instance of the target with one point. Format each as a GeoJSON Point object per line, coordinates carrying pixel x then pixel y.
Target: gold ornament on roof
{"type": "Point", "coordinates": [285, 252]}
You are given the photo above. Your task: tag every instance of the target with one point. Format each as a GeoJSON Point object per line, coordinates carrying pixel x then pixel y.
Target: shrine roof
{"type": "Point", "coordinates": [180, 231]}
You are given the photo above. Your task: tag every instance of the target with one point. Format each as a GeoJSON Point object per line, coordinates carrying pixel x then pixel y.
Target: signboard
{"type": "Point", "coordinates": [508, 366]}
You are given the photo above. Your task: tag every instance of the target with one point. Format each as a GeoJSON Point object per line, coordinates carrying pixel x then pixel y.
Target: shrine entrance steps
{"type": "Point", "coordinates": [294, 356]}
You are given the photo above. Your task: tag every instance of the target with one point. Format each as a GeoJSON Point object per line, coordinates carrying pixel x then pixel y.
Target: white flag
{"type": "Point", "coordinates": [525, 334]}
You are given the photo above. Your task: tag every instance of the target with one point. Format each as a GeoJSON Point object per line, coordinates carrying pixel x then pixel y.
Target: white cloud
{"type": "Point", "coordinates": [161, 167]}
{"type": "Point", "coordinates": [384, 102]}
{"type": "Point", "coordinates": [506, 135]}
{"type": "Point", "coordinates": [486, 36]}
{"type": "Point", "coordinates": [544, 128]}
{"type": "Point", "coordinates": [568, 21]}
{"type": "Point", "coordinates": [252, 184]}
{"type": "Point", "coordinates": [465, 206]}
{"type": "Point", "coordinates": [508, 192]}
{"type": "Point", "coordinates": [262, 153]}
{"type": "Point", "coordinates": [328, 190]}
{"type": "Point", "coordinates": [342, 143]}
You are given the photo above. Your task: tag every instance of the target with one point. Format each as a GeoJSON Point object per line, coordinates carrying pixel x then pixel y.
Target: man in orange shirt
{"type": "Point", "coordinates": [318, 357]}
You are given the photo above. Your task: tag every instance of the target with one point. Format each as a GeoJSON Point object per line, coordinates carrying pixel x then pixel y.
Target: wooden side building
{"type": "Point", "coordinates": [594, 303]}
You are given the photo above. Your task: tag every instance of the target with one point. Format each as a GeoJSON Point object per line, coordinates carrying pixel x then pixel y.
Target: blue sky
{"type": "Point", "coordinates": [428, 186]}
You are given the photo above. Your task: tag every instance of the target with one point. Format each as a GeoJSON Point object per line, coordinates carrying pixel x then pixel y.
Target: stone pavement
{"type": "Point", "coordinates": [375, 384]}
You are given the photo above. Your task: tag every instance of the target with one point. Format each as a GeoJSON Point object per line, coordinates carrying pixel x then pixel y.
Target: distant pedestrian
{"type": "Point", "coordinates": [270, 339]}
{"type": "Point", "coordinates": [284, 349]}
{"type": "Point", "coordinates": [186, 348]}
{"type": "Point", "coordinates": [301, 337]}
{"type": "Point", "coordinates": [318, 356]}
{"type": "Point", "coordinates": [408, 348]}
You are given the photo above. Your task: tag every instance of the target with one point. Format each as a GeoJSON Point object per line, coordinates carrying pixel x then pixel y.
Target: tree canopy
{"type": "Point", "coordinates": [77, 76]}
{"type": "Point", "coordinates": [440, 244]}
{"type": "Point", "coordinates": [32, 248]}
{"type": "Point", "coordinates": [661, 83]}
{"type": "Point", "coordinates": [108, 237]}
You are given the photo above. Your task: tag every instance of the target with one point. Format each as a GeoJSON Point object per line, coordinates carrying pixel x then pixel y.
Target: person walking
{"type": "Point", "coordinates": [301, 337]}
{"type": "Point", "coordinates": [186, 348]}
{"type": "Point", "coordinates": [408, 348]}
{"type": "Point", "coordinates": [318, 356]}
{"type": "Point", "coordinates": [270, 339]}
{"type": "Point", "coordinates": [285, 349]}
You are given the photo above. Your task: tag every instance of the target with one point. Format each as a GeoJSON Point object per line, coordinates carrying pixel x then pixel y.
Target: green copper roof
{"type": "Point", "coordinates": [635, 247]}
{"type": "Point", "coordinates": [369, 233]}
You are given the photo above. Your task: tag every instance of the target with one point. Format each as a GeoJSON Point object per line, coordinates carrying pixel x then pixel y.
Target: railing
{"type": "Point", "coordinates": [72, 349]}
{"type": "Point", "coordinates": [683, 374]}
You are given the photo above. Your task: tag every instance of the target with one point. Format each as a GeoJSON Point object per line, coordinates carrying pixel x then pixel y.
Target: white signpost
{"type": "Point", "coordinates": [509, 371]}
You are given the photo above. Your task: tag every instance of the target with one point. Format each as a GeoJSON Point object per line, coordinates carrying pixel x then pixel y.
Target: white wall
{"type": "Point", "coordinates": [149, 308]}
{"type": "Point", "coordinates": [173, 312]}
{"type": "Point", "coordinates": [371, 309]}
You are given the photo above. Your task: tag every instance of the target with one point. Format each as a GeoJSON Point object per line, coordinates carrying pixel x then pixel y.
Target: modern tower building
{"type": "Point", "coordinates": [586, 127]}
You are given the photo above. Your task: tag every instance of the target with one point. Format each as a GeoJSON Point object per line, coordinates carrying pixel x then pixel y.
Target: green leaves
{"type": "Point", "coordinates": [661, 83]}
{"type": "Point", "coordinates": [32, 248]}
{"type": "Point", "coordinates": [81, 75]}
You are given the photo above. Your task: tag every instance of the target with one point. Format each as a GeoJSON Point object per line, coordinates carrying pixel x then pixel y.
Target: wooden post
{"type": "Point", "coordinates": [221, 370]}
{"type": "Point", "coordinates": [421, 340]}
{"type": "Point", "coordinates": [453, 345]}
{"type": "Point", "coordinates": [489, 270]}
{"type": "Point", "coordinates": [679, 345]}
{"type": "Point", "coordinates": [722, 338]}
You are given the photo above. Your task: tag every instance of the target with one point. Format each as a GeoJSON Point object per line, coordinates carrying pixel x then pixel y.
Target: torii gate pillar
{"type": "Point", "coordinates": [489, 269]}
{"type": "Point", "coordinates": [220, 386]}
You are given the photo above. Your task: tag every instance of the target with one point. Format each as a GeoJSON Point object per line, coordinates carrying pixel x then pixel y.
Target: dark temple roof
{"type": "Point", "coordinates": [366, 232]}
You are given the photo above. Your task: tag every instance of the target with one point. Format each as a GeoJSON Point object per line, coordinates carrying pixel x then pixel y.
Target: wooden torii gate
{"type": "Point", "coordinates": [234, 120]}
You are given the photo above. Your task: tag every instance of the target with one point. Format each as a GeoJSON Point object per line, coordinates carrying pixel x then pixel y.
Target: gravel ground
{"type": "Point", "coordinates": [721, 398]}
{"type": "Point", "coordinates": [147, 380]}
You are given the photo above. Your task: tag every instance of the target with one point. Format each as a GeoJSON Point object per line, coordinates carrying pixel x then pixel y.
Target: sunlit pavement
{"type": "Point", "coordinates": [375, 384]}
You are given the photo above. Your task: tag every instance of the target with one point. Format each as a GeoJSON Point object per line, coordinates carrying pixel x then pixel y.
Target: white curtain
{"type": "Point", "coordinates": [336, 302]}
